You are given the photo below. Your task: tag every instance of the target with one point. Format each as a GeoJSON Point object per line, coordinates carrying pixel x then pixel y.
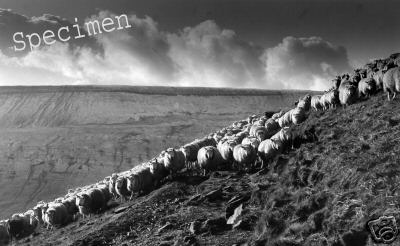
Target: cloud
{"type": "Point", "coordinates": [304, 63]}
{"type": "Point", "coordinates": [211, 56]}
{"type": "Point", "coordinates": [202, 55]}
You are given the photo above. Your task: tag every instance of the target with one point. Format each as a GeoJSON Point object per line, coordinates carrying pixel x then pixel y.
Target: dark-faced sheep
{"type": "Point", "coordinates": [391, 82]}
{"type": "Point", "coordinates": [4, 236]}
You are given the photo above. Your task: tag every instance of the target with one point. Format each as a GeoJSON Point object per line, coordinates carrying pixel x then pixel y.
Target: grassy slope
{"type": "Point", "coordinates": [323, 192]}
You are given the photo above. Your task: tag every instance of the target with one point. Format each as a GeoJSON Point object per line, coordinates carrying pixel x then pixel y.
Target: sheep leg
{"type": "Point", "coordinates": [394, 95]}
{"type": "Point", "coordinates": [388, 95]}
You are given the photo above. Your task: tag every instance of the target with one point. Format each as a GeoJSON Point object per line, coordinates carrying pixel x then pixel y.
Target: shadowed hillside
{"type": "Point", "coordinates": [56, 138]}
{"type": "Point", "coordinates": [321, 193]}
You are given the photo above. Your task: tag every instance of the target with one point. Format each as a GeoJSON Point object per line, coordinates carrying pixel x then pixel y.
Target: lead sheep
{"type": "Point", "coordinates": [391, 82]}
{"type": "Point", "coordinates": [209, 158]}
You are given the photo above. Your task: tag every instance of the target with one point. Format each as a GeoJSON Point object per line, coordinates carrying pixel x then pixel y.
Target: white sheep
{"type": "Point", "coordinates": [267, 150]}
{"type": "Point", "coordinates": [140, 181]}
{"type": "Point", "coordinates": [316, 102]}
{"type": "Point", "coordinates": [111, 185]}
{"type": "Point", "coordinates": [209, 158]}
{"type": "Point", "coordinates": [378, 77]}
{"type": "Point", "coordinates": [286, 119]}
{"type": "Point", "coordinates": [174, 160]}
{"type": "Point", "coordinates": [56, 215]}
{"type": "Point", "coordinates": [259, 132]}
{"type": "Point", "coordinates": [253, 141]}
{"type": "Point", "coordinates": [366, 87]}
{"type": "Point", "coordinates": [298, 115]}
{"type": "Point", "coordinates": [391, 82]}
{"type": "Point", "coordinates": [271, 127]}
{"type": "Point", "coordinates": [225, 147]}
{"type": "Point", "coordinates": [91, 201]}
{"type": "Point", "coordinates": [244, 155]}
{"type": "Point", "coordinates": [121, 188]}
{"type": "Point", "coordinates": [347, 93]}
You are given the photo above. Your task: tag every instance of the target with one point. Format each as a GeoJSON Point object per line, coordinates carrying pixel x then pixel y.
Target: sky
{"type": "Point", "coordinates": [268, 44]}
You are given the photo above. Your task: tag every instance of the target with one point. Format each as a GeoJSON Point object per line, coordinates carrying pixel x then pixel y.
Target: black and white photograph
{"type": "Point", "coordinates": [199, 122]}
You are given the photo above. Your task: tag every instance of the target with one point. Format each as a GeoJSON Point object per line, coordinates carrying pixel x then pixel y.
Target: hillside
{"type": "Point", "coordinates": [321, 193]}
{"type": "Point", "coordinates": [56, 138]}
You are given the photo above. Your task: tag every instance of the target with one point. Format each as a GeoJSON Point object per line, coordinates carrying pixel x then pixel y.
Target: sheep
{"type": "Point", "coordinates": [226, 149]}
{"type": "Point", "coordinates": [38, 211]}
{"type": "Point", "coordinates": [391, 82]}
{"type": "Point", "coordinates": [253, 141]}
{"type": "Point", "coordinates": [305, 103]}
{"type": "Point", "coordinates": [140, 181]}
{"type": "Point", "coordinates": [378, 77]}
{"type": "Point", "coordinates": [91, 201]}
{"type": "Point", "coordinates": [267, 150]}
{"type": "Point", "coordinates": [174, 161]}
{"type": "Point", "coordinates": [121, 188]}
{"type": "Point", "coordinates": [258, 132]}
{"type": "Point", "coordinates": [284, 138]}
{"type": "Point", "coordinates": [347, 93]}
{"type": "Point", "coordinates": [209, 158]}
{"type": "Point", "coordinates": [316, 102]}
{"type": "Point", "coordinates": [366, 87]}
{"type": "Point", "coordinates": [286, 119]}
{"type": "Point", "coordinates": [4, 236]}
{"type": "Point", "coordinates": [271, 127]}
{"type": "Point", "coordinates": [70, 203]}
{"type": "Point", "coordinates": [244, 155]}
{"type": "Point", "coordinates": [336, 82]}
{"type": "Point", "coordinates": [56, 215]}
{"type": "Point", "coordinates": [18, 226]}
{"type": "Point", "coordinates": [277, 115]}
{"type": "Point", "coordinates": [158, 171]}
{"type": "Point", "coordinates": [111, 185]}
{"type": "Point", "coordinates": [298, 115]}
{"type": "Point", "coordinates": [31, 220]}
{"type": "Point", "coordinates": [330, 99]}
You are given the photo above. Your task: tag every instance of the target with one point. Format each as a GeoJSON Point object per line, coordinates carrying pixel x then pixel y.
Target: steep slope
{"type": "Point", "coordinates": [322, 193]}
{"type": "Point", "coordinates": [56, 138]}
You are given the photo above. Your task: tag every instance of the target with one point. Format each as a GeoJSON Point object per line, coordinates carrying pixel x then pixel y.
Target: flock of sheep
{"type": "Point", "coordinates": [246, 144]}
